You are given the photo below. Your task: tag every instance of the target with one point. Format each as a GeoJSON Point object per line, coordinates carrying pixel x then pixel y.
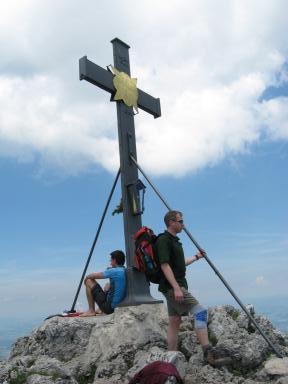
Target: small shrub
{"type": "Point", "coordinates": [235, 314]}
{"type": "Point", "coordinates": [212, 338]}
{"type": "Point", "coordinates": [21, 378]}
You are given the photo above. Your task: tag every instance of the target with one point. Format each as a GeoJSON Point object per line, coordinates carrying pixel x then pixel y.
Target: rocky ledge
{"type": "Point", "coordinates": [111, 349]}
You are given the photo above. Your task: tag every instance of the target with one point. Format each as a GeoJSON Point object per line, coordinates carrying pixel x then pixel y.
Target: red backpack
{"type": "Point", "coordinates": [145, 257]}
{"type": "Point", "coordinates": [157, 372]}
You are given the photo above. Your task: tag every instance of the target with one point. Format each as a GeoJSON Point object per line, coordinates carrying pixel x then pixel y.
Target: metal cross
{"type": "Point", "coordinates": [137, 287]}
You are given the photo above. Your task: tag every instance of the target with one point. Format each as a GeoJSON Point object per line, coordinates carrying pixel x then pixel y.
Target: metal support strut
{"type": "Point", "coordinates": [94, 242]}
{"type": "Point", "coordinates": [204, 254]}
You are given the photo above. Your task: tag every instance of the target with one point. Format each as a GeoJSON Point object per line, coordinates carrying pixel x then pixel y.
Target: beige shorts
{"type": "Point", "coordinates": [180, 308]}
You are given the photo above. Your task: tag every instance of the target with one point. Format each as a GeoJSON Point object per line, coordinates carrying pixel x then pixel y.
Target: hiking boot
{"type": "Point", "coordinates": [216, 358]}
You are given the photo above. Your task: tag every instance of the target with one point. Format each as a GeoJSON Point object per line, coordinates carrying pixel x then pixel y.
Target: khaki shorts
{"type": "Point", "coordinates": [180, 308]}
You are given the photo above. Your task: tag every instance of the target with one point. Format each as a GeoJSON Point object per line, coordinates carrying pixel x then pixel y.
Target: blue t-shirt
{"type": "Point", "coordinates": [117, 289]}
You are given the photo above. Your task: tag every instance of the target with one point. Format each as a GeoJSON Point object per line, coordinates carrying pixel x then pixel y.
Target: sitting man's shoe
{"type": "Point", "coordinates": [216, 358]}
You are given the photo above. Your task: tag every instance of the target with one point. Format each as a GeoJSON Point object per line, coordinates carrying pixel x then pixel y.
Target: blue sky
{"type": "Point", "coordinates": [219, 153]}
{"type": "Point", "coordinates": [237, 211]}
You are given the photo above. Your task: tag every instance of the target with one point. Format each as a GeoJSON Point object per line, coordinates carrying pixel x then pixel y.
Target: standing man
{"type": "Point", "coordinates": [114, 291]}
{"type": "Point", "coordinates": [174, 287]}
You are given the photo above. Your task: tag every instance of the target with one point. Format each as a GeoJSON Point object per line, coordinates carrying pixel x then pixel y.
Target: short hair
{"type": "Point", "coordinates": [119, 256]}
{"type": "Point", "coordinates": [171, 215]}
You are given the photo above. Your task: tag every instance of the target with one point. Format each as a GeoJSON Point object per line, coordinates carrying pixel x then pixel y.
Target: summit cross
{"type": "Point", "coordinates": [118, 83]}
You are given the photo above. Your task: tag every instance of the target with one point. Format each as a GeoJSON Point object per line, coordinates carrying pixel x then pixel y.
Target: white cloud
{"type": "Point", "coordinates": [260, 280]}
{"type": "Point", "coordinates": [44, 124]}
{"type": "Point", "coordinates": [275, 117]}
{"type": "Point", "coordinates": [209, 65]}
{"type": "Point", "coordinates": [196, 138]}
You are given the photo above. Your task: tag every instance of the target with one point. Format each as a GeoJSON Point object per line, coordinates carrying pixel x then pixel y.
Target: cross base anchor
{"type": "Point", "coordinates": [137, 291]}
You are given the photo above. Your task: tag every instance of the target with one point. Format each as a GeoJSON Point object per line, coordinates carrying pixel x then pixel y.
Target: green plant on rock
{"type": "Point", "coordinates": [235, 314]}
{"type": "Point", "coordinates": [89, 378]}
{"type": "Point", "coordinates": [212, 338]}
{"type": "Point", "coordinates": [84, 380]}
{"type": "Point", "coordinates": [21, 378]}
{"type": "Point", "coordinates": [244, 372]}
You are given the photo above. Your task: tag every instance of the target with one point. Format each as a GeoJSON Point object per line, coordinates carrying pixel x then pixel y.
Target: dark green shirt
{"type": "Point", "coordinates": [169, 250]}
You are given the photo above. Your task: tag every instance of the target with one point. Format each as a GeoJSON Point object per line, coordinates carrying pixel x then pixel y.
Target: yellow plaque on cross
{"type": "Point", "coordinates": [126, 88]}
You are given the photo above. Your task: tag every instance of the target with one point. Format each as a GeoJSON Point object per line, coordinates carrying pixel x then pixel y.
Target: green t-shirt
{"type": "Point", "coordinates": [169, 250]}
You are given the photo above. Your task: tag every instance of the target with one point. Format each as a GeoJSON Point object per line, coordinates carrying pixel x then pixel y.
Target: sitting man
{"type": "Point", "coordinates": [114, 291]}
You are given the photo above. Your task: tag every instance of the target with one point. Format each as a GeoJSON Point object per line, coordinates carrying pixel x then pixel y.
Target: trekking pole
{"type": "Point", "coordinates": [72, 310]}
{"type": "Point", "coordinates": [204, 254]}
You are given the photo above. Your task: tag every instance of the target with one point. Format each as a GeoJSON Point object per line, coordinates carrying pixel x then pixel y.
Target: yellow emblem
{"type": "Point", "coordinates": [126, 88]}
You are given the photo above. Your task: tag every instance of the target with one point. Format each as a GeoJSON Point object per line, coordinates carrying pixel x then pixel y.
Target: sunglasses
{"type": "Point", "coordinates": [179, 221]}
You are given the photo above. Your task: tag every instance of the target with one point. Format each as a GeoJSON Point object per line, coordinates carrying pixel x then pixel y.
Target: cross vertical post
{"type": "Point", "coordinates": [138, 291]}
{"type": "Point", "coordinates": [137, 286]}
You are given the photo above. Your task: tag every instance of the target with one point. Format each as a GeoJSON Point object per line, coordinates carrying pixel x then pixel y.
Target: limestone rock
{"type": "Point", "coordinates": [40, 379]}
{"type": "Point", "coordinates": [111, 349]}
{"type": "Point", "coordinates": [277, 366]}
{"type": "Point", "coordinates": [156, 354]}
{"type": "Point", "coordinates": [50, 366]}
{"type": "Point", "coordinates": [282, 380]}
{"type": "Point", "coordinates": [231, 331]}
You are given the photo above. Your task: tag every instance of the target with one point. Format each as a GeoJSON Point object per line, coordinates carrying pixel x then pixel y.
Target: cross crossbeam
{"type": "Point", "coordinates": [103, 79]}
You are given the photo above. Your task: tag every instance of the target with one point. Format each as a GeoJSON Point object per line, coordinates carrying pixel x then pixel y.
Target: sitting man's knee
{"type": "Point", "coordinates": [89, 283]}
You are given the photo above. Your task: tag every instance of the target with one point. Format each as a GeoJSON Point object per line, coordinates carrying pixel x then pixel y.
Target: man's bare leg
{"type": "Point", "coordinates": [202, 336]}
{"type": "Point", "coordinates": [172, 332]}
{"type": "Point", "coordinates": [91, 304]}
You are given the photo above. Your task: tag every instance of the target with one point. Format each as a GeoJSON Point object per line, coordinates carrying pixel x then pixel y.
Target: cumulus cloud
{"type": "Point", "coordinates": [261, 281]}
{"type": "Point", "coordinates": [35, 120]}
{"type": "Point", "coordinates": [275, 116]}
{"type": "Point", "coordinates": [209, 65]}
